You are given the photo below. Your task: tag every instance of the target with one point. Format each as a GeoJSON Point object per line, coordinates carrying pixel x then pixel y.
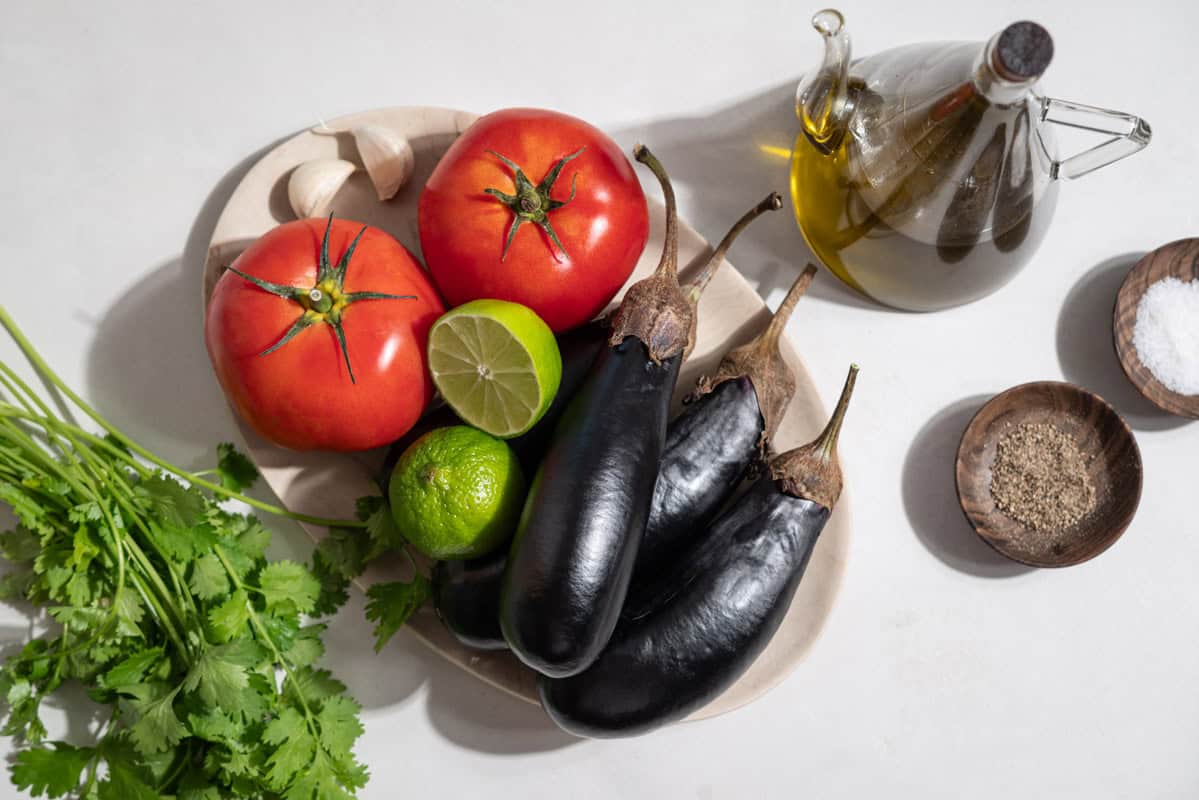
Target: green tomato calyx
{"type": "Point", "coordinates": [325, 301]}
{"type": "Point", "coordinates": [532, 203]}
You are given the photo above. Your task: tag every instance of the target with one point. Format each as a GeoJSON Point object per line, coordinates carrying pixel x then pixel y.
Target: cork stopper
{"type": "Point", "coordinates": [1023, 52]}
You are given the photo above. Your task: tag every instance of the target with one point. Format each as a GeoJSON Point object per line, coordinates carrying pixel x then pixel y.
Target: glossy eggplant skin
{"type": "Point", "coordinates": [572, 556]}
{"type": "Point", "coordinates": [709, 448]}
{"type": "Point", "coordinates": [466, 595]}
{"type": "Point", "coordinates": [735, 590]}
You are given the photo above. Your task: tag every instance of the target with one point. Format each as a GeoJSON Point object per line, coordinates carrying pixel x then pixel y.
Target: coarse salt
{"type": "Point", "coordinates": [1166, 335]}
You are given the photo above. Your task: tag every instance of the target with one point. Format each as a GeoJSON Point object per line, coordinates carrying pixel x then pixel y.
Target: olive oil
{"type": "Point", "coordinates": [928, 244]}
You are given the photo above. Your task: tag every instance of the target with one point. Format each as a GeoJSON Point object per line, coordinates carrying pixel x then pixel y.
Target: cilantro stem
{"type": "Point", "coordinates": [50, 466]}
{"type": "Point", "coordinates": [49, 375]}
{"type": "Point", "coordinates": [161, 605]}
{"type": "Point", "coordinates": [265, 636]}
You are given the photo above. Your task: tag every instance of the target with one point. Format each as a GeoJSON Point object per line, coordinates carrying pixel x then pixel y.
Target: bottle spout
{"type": "Point", "coordinates": [822, 100]}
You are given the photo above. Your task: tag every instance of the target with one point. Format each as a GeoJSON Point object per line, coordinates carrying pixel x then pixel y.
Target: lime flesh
{"type": "Point", "coordinates": [496, 364]}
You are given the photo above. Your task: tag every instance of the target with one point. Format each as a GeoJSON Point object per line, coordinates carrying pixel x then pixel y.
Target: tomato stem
{"type": "Point", "coordinates": [325, 301]}
{"type": "Point", "coordinates": [533, 203]}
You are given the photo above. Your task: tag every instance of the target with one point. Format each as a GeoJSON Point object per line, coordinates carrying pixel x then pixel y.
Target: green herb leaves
{"type": "Point", "coordinates": [51, 771]}
{"type": "Point", "coordinates": [391, 604]}
{"type": "Point", "coordinates": [170, 614]}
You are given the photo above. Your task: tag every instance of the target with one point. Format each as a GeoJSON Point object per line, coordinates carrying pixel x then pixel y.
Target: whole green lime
{"type": "Point", "coordinates": [457, 493]}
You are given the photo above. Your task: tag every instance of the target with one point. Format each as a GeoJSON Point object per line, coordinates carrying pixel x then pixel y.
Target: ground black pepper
{"type": "Point", "coordinates": [1040, 478]}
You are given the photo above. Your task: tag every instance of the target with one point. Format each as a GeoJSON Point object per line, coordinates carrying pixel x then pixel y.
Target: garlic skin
{"type": "Point", "coordinates": [387, 156]}
{"type": "Point", "coordinates": [313, 185]}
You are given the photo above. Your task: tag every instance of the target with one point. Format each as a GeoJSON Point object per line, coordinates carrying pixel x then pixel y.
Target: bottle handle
{"type": "Point", "coordinates": [1129, 134]}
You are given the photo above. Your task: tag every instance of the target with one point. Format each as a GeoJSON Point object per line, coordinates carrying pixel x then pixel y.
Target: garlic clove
{"type": "Point", "coordinates": [387, 156]}
{"type": "Point", "coordinates": [313, 185]}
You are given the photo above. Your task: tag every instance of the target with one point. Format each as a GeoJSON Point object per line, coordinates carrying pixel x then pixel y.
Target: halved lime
{"type": "Point", "coordinates": [497, 364]}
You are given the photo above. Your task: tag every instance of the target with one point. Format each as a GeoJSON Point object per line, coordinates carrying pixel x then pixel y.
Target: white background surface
{"type": "Point", "coordinates": [943, 671]}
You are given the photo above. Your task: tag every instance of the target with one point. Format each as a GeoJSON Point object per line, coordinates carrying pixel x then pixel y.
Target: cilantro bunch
{"type": "Point", "coordinates": [169, 614]}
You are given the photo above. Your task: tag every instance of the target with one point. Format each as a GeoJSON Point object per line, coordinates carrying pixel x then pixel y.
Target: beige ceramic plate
{"type": "Point", "coordinates": [327, 484]}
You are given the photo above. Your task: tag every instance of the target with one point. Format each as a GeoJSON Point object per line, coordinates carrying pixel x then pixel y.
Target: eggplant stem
{"type": "Point", "coordinates": [669, 265]}
{"type": "Point", "coordinates": [826, 443]}
{"type": "Point", "coordinates": [772, 202]}
{"type": "Point", "coordinates": [782, 314]}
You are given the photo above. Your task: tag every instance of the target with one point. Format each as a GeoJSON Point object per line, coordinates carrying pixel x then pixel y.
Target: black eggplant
{"type": "Point", "coordinates": [723, 430]}
{"type": "Point", "coordinates": [572, 555]}
{"type": "Point", "coordinates": [578, 347]}
{"type": "Point", "coordinates": [477, 625]}
{"type": "Point", "coordinates": [723, 605]}
{"type": "Point", "coordinates": [466, 596]}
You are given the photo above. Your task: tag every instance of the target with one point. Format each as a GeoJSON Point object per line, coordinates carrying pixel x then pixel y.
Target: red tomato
{"type": "Point", "coordinates": [301, 393]}
{"type": "Point", "coordinates": [488, 220]}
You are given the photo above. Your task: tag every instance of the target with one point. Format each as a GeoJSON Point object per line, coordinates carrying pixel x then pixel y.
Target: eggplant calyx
{"type": "Point", "coordinates": [761, 361]}
{"type": "Point", "coordinates": [655, 309]}
{"type": "Point", "coordinates": [533, 203]}
{"type": "Point", "coordinates": [812, 472]}
{"type": "Point", "coordinates": [325, 301]}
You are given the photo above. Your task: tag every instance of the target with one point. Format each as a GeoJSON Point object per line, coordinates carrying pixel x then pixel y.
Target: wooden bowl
{"type": "Point", "coordinates": [1175, 260]}
{"type": "Point", "coordinates": [1114, 466]}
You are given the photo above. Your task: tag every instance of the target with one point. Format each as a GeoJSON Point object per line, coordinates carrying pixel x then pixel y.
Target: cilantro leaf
{"type": "Point", "coordinates": [313, 686]}
{"type": "Point", "coordinates": [130, 613]}
{"type": "Point", "coordinates": [124, 783]}
{"type": "Point", "coordinates": [294, 749]}
{"type": "Point", "coordinates": [158, 728]}
{"type": "Point", "coordinates": [339, 724]}
{"type": "Point", "coordinates": [389, 605]}
{"type": "Point", "coordinates": [132, 669]}
{"type": "Point", "coordinates": [173, 503]}
{"type": "Point", "coordinates": [26, 507]}
{"type": "Point", "coordinates": [307, 648]}
{"type": "Point", "coordinates": [229, 619]}
{"type": "Point", "coordinates": [51, 773]}
{"type": "Point", "coordinates": [237, 472]}
{"type": "Point", "coordinates": [215, 726]}
{"type": "Point", "coordinates": [288, 585]}
{"type": "Point", "coordinates": [218, 677]}
{"type": "Point", "coordinates": [322, 781]}
{"type": "Point", "coordinates": [339, 557]}
{"type": "Point", "coordinates": [380, 525]}
{"type": "Point", "coordinates": [195, 789]}
{"type": "Point", "coordinates": [208, 579]}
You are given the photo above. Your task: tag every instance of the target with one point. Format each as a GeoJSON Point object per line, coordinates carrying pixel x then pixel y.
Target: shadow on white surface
{"type": "Point", "coordinates": [728, 160]}
{"type": "Point", "coordinates": [1087, 353]}
{"type": "Point", "coordinates": [461, 708]}
{"type": "Point", "coordinates": [473, 715]}
{"type": "Point", "coordinates": [930, 497]}
{"type": "Point", "coordinates": [147, 369]}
